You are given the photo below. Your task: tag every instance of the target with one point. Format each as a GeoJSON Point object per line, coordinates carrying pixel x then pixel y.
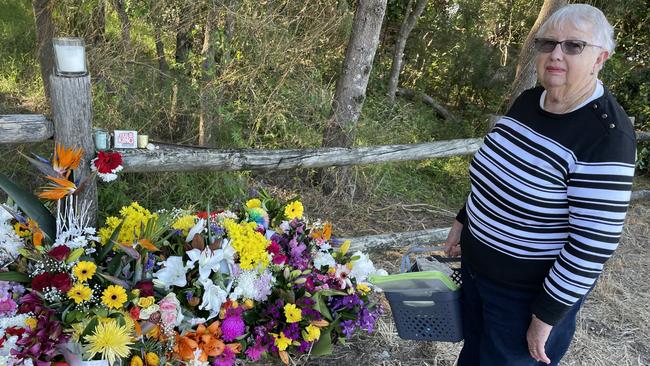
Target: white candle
{"type": "Point", "coordinates": [71, 58]}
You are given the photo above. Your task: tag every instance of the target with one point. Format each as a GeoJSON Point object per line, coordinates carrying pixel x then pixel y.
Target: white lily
{"type": "Point", "coordinates": [208, 260]}
{"type": "Point", "coordinates": [197, 229]}
{"type": "Point", "coordinates": [172, 273]}
{"type": "Point", "coordinates": [213, 297]}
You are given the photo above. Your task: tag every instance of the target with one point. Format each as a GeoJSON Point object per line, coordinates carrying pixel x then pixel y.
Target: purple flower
{"type": "Point", "coordinates": [7, 307]}
{"type": "Point", "coordinates": [232, 327]}
{"type": "Point", "coordinates": [227, 358]}
{"type": "Point", "coordinates": [40, 344]}
{"type": "Point", "coordinates": [255, 352]}
{"type": "Point", "coordinates": [304, 346]}
{"type": "Point", "coordinates": [292, 331]}
{"type": "Point", "coordinates": [348, 327]}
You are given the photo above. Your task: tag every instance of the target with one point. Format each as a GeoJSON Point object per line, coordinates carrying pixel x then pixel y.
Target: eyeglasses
{"type": "Point", "coordinates": [569, 46]}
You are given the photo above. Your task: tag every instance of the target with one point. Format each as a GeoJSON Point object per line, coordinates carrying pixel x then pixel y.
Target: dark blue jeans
{"type": "Point", "coordinates": [495, 322]}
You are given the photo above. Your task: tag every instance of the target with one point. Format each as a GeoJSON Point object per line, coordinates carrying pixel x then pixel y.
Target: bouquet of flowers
{"type": "Point", "coordinates": [217, 287]}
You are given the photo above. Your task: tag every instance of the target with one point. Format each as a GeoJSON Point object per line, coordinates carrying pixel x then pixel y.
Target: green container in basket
{"type": "Point", "coordinates": [425, 305]}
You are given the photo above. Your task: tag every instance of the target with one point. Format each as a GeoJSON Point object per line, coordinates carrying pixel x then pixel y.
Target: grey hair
{"type": "Point", "coordinates": [585, 18]}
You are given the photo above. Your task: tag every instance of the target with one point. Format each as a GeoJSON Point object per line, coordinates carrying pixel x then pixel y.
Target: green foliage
{"type": "Point", "coordinates": [273, 82]}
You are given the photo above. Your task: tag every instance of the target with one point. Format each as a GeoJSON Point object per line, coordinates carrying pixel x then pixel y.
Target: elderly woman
{"type": "Point", "coordinates": [550, 188]}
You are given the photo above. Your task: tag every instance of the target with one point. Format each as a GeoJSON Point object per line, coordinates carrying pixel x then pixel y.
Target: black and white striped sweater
{"type": "Point", "coordinates": [548, 199]}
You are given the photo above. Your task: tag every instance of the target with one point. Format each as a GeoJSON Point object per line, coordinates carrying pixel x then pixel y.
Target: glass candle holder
{"type": "Point", "coordinates": [143, 140]}
{"type": "Point", "coordinates": [69, 57]}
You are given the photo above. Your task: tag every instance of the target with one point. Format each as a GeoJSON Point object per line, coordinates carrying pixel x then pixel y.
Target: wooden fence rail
{"type": "Point", "coordinates": [177, 159]}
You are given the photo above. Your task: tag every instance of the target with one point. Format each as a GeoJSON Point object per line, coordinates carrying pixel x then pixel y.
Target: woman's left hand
{"type": "Point", "coordinates": [537, 334]}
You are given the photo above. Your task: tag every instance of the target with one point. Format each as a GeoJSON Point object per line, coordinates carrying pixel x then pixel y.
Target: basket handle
{"type": "Point", "coordinates": [406, 261]}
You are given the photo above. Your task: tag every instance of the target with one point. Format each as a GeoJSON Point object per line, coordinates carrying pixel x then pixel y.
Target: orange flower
{"type": "Point", "coordinates": [37, 233]}
{"type": "Point", "coordinates": [209, 339]}
{"type": "Point", "coordinates": [57, 189]}
{"type": "Point", "coordinates": [66, 159]}
{"type": "Point", "coordinates": [325, 234]}
{"type": "Point", "coordinates": [185, 346]}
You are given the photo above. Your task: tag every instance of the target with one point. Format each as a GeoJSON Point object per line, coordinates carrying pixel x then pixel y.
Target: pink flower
{"type": "Point", "coordinates": [170, 310]}
{"type": "Point", "coordinates": [8, 307]}
{"type": "Point", "coordinates": [232, 327]}
{"type": "Point", "coordinates": [227, 358]}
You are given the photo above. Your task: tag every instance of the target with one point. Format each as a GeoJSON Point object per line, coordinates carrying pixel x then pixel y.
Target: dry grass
{"type": "Point", "coordinates": [613, 326]}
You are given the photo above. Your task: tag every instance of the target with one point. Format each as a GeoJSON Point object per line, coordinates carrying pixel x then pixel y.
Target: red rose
{"type": "Point", "coordinates": [62, 282]}
{"type": "Point", "coordinates": [135, 313]}
{"type": "Point", "coordinates": [145, 287]}
{"type": "Point", "coordinates": [107, 161]}
{"type": "Point", "coordinates": [59, 253]}
{"type": "Point", "coordinates": [41, 281]}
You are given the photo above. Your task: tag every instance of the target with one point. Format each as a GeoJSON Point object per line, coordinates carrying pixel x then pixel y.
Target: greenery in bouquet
{"type": "Point", "coordinates": [173, 286]}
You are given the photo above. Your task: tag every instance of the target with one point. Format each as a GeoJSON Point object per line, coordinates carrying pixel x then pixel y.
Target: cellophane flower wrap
{"type": "Point", "coordinates": [174, 286]}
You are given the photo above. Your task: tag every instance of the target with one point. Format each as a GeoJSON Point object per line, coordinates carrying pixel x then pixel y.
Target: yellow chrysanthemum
{"type": "Point", "coordinates": [312, 333]}
{"type": "Point", "coordinates": [134, 216]}
{"type": "Point", "coordinates": [363, 288]}
{"type": "Point", "coordinates": [114, 296]}
{"type": "Point", "coordinates": [136, 361]}
{"type": "Point", "coordinates": [294, 210]}
{"type": "Point", "coordinates": [111, 340]}
{"type": "Point", "coordinates": [184, 223]}
{"type": "Point", "coordinates": [281, 341]}
{"type": "Point", "coordinates": [80, 293]}
{"type": "Point", "coordinates": [84, 270]}
{"type": "Point", "coordinates": [292, 313]}
{"type": "Point", "coordinates": [152, 359]}
{"type": "Point", "coordinates": [252, 203]}
{"type": "Point", "coordinates": [248, 243]}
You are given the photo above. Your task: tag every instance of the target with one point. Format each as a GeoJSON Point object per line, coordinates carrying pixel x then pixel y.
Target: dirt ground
{"type": "Point", "coordinates": [613, 325]}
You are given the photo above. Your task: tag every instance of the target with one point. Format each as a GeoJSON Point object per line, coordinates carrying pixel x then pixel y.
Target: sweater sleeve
{"type": "Point", "coordinates": [462, 215]}
{"type": "Point", "coordinates": [598, 193]}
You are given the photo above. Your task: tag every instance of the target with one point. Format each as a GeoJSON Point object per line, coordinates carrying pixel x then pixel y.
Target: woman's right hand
{"type": "Point", "coordinates": [452, 244]}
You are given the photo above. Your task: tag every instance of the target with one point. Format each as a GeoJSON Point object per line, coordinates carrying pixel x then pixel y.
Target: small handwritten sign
{"type": "Point", "coordinates": [124, 139]}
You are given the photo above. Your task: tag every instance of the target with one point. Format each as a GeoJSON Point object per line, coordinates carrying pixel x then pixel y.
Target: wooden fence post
{"type": "Point", "coordinates": [72, 114]}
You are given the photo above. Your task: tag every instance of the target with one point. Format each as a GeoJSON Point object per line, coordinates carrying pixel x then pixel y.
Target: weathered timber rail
{"type": "Point", "coordinates": [170, 158]}
{"type": "Point", "coordinates": [21, 128]}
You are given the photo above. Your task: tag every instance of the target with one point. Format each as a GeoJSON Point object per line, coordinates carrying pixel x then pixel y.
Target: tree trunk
{"type": "Point", "coordinates": [351, 85]}
{"type": "Point", "coordinates": [156, 20]}
{"type": "Point", "coordinates": [72, 112]}
{"type": "Point", "coordinates": [526, 76]}
{"type": "Point", "coordinates": [99, 23]}
{"type": "Point", "coordinates": [184, 39]}
{"type": "Point", "coordinates": [410, 20]}
{"type": "Point", "coordinates": [120, 8]}
{"type": "Point", "coordinates": [44, 33]}
{"type": "Point", "coordinates": [208, 66]}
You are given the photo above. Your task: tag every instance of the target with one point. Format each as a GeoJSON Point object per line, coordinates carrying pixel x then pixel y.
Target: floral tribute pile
{"type": "Point", "coordinates": [177, 287]}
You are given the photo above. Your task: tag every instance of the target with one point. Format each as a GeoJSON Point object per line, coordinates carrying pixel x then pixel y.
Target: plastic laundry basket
{"type": "Point", "coordinates": [425, 305]}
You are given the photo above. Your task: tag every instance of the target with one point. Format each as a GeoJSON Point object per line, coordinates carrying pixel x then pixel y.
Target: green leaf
{"type": "Point", "coordinates": [14, 276]}
{"type": "Point", "coordinates": [31, 205]}
{"type": "Point", "coordinates": [109, 244]}
{"type": "Point", "coordinates": [321, 306]}
{"type": "Point", "coordinates": [89, 328]}
{"type": "Point", "coordinates": [330, 292]}
{"type": "Point", "coordinates": [324, 345]}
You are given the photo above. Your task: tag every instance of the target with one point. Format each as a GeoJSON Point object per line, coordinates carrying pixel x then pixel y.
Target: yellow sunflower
{"type": "Point", "coordinates": [80, 293]}
{"type": "Point", "coordinates": [111, 340]}
{"type": "Point", "coordinates": [114, 296]}
{"type": "Point", "coordinates": [84, 270]}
